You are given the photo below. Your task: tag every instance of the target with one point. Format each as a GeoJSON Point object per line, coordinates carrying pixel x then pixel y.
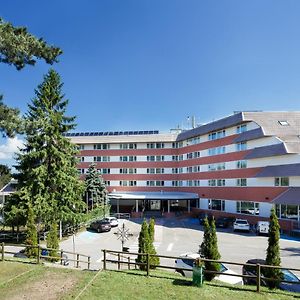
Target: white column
{"type": "Point", "coordinates": [136, 205]}
{"type": "Point", "coordinates": [168, 206]}
{"type": "Point", "coordinates": [189, 205]}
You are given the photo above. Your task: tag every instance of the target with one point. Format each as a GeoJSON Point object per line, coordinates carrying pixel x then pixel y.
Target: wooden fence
{"type": "Point", "coordinates": [128, 261]}
{"type": "Point", "coordinates": [80, 258]}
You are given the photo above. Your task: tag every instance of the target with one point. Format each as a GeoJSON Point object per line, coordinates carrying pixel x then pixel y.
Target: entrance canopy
{"type": "Point", "coordinates": [153, 195]}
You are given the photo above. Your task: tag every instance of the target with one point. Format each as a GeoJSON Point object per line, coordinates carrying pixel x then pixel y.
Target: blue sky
{"type": "Point", "coordinates": [143, 65]}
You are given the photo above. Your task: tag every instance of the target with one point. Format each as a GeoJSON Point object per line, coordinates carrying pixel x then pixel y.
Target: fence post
{"type": "Point", "coordinates": [61, 255]}
{"type": "Point", "coordinates": [119, 266]}
{"type": "Point", "coordinates": [77, 261]}
{"type": "Point", "coordinates": [258, 278]}
{"type": "Point", "coordinates": [148, 264]}
{"type": "Point", "coordinates": [38, 253]}
{"type": "Point", "coordinates": [89, 262]}
{"type": "Point", "coordinates": [128, 262]}
{"type": "Point", "coordinates": [104, 259]}
{"type": "Point", "coordinates": [2, 251]}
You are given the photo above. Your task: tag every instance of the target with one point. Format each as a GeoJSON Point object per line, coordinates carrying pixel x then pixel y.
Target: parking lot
{"type": "Point", "coordinates": [174, 237]}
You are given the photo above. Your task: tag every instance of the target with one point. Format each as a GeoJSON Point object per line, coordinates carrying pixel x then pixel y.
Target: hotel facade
{"type": "Point", "coordinates": [241, 165]}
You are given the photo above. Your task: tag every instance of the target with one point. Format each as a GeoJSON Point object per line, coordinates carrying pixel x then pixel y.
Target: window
{"type": "Point", "coordinates": [241, 182]}
{"type": "Point", "coordinates": [155, 183]}
{"type": "Point", "coordinates": [241, 128]}
{"type": "Point", "coordinates": [104, 171]}
{"type": "Point", "coordinates": [221, 182]}
{"type": "Point", "coordinates": [82, 158]}
{"type": "Point", "coordinates": [282, 181]}
{"type": "Point", "coordinates": [97, 158]}
{"type": "Point", "coordinates": [160, 145]}
{"type": "Point", "coordinates": [101, 146]}
{"type": "Point", "coordinates": [216, 204]}
{"type": "Point", "coordinates": [284, 123]}
{"type": "Point", "coordinates": [128, 146]}
{"type": "Point", "coordinates": [107, 182]}
{"type": "Point", "coordinates": [247, 207]}
{"type": "Point", "coordinates": [241, 164]}
{"type": "Point", "coordinates": [127, 183]}
{"type": "Point", "coordinates": [241, 146]}
{"type": "Point", "coordinates": [177, 145]}
{"type": "Point", "coordinates": [216, 167]}
{"type": "Point", "coordinates": [127, 158]}
{"type": "Point", "coordinates": [105, 158]}
{"type": "Point", "coordinates": [80, 147]}
{"type": "Point", "coordinates": [150, 146]}
{"type": "Point", "coordinates": [216, 135]}
{"type": "Point", "coordinates": [212, 182]}
{"type": "Point", "coordinates": [151, 158]}
{"type": "Point", "coordinates": [285, 211]}
{"type": "Point", "coordinates": [102, 158]}
{"type": "Point", "coordinates": [216, 151]}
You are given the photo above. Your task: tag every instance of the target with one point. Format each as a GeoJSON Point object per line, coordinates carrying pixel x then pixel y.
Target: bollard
{"type": "Point", "coordinates": [119, 265]}
{"type": "Point", "coordinates": [89, 262]}
{"type": "Point", "coordinates": [148, 264]}
{"type": "Point", "coordinates": [77, 261]}
{"type": "Point", "coordinates": [2, 251]}
{"type": "Point", "coordinates": [104, 259]}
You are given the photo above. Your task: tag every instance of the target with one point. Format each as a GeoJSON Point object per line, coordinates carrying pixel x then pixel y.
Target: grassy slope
{"type": "Point", "coordinates": [61, 283]}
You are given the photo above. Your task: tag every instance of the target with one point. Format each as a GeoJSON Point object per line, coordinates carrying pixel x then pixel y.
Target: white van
{"type": "Point", "coordinates": [262, 227]}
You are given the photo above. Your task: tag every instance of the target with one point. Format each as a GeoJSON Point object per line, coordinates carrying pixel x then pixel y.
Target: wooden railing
{"type": "Point", "coordinates": [129, 261]}
{"type": "Point", "coordinates": [80, 258]}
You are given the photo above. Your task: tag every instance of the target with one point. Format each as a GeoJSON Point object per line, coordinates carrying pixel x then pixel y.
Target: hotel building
{"type": "Point", "coordinates": [241, 165]}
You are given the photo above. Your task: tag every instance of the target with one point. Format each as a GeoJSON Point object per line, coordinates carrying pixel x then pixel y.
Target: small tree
{"type": "Point", "coordinates": [52, 241]}
{"type": "Point", "coordinates": [273, 252]}
{"type": "Point", "coordinates": [31, 235]}
{"type": "Point", "coordinates": [144, 245]}
{"type": "Point", "coordinates": [209, 248]}
{"type": "Point", "coordinates": [154, 260]}
{"type": "Point", "coordinates": [95, 187]}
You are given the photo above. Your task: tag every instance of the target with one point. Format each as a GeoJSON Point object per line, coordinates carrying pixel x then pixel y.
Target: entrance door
{"type": "Point", "coordinates": [154, 204]}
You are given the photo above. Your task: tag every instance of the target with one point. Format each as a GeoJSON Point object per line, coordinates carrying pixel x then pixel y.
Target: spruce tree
{"type": "Point", "coordinates": [31, 234]}
{"type": "Point", "coordinates": [144, 245]}
{"type": "Point", "coordinates": [95, 187]}
{"type": "Point", "coordinates": [273, 252]}
{"type": "Point", "coordinates": [209, 248]}
{"type": "Point", "coordinates": [47, 164]}
{"type": "Point", "coordinates": [52, 241]}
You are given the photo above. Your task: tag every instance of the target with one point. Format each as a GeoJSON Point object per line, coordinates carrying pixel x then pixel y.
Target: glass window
{"type": "Point", "coordinates": [241, 182]}
{"type": "Point", "coordinates": [284, 123]}
{"type": "Point", "coordinates": [247, 207]}
{"type": "Point", "coordinates": [281, 181]}
{"type": "Point", "coordinates": [241, 128]}
{"type": "Point", "coordinates": [241, 146]}
{"type": "Point", "coordinates": [216, 204]}
{"type": "Point", "coordinates": [241, 164]}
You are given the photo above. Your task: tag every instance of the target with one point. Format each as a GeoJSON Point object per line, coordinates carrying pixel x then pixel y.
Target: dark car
{"type": "Point", "coordinates": [101, 226]}
{"type": "Point", "coordinates": [202, 216]}
{"type": "Point", "coordinates": [224, 222]}
{"type": "Point", "coordinates": [287, 275]}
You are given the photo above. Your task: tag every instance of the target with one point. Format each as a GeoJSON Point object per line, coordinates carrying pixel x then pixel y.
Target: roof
{"type": "Point", "coordinates": [290, 196]}
{"type": "Point", "coordinates": [153, 195]}
{"type": "Point", "coordinates": [266, 151]}
{"type": "Point", "coordinates": [280, 171]}
{"type": "Point", "coordinates": [9, 188]}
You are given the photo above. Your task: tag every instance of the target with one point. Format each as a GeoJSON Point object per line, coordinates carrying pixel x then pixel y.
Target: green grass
{"type": "Point", "coordinates": [39, 282]}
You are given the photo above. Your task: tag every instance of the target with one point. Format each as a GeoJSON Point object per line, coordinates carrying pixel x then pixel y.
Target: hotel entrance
{"type": "Point", "coordinates": [153, 205]}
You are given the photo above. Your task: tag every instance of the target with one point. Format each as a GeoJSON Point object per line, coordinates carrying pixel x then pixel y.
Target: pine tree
{"type": "Point", "coordinates": [47, 165]}
{"type": "Point", "coordinates": [273, 252]}
{"type": "Point", "coordinates": [144, 245]}
{"type": "Point", "coordinates": [95, 187]}
{"type": "Point", "coordinates": [20, 48]}
{"type": "Point", "coordinates": [154, 260]}
{"type": "Point", "coordinates": [31, 235]}
{"type": "Point", "coordinates": [209, 248]}
{"type": "Point", "coordinates": [52, 241]}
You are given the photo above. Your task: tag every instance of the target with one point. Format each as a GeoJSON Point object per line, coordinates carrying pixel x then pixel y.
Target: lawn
{"type": "Point", "coordinates": [27, 281]}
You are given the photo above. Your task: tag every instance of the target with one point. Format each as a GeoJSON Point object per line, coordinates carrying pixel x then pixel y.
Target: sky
{"type": "Point", "coordinates": [149, 64]}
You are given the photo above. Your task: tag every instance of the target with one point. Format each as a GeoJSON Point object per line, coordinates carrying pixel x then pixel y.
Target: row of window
{"type": "Point", "coordinates": [155, 170]}
{"type": "Point", "coordinates": [242, 207]}
{"type": "Point", "coordinates": [216, 167]}
{"type": "Point", "coordinates": [193, 155]}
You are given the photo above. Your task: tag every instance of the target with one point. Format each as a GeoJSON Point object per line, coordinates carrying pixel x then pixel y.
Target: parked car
{"type": "Point", "coordinates": [187, 260]}
{"type": "Point", "coordinates": [287, 275]}
{"type": "Point", "coordinates": [224, 222]}
{"type": "Point", "coordinates": [101, 226]}
{"type": "Point", "coordinates": [241, 225]}
{"type": "Point", "coordinates": [262, 227]}
{"type": "Point", "coordinates": [202, 216]}
{"type": "Point", "coordinates": [113, 221]}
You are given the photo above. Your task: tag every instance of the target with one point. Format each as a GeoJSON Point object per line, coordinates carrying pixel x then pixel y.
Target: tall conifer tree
{"type": "Point", "coordinates": [48, 178]}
